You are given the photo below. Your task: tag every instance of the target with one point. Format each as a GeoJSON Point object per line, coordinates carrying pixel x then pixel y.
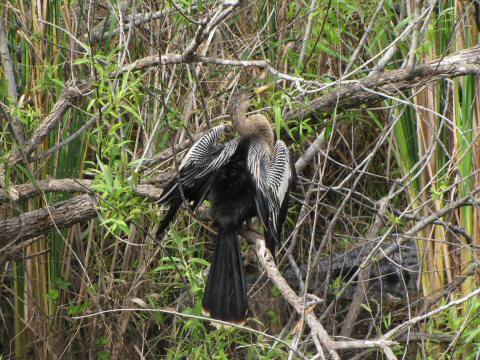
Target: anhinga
{"type": "Point", "coordinates": [245, 177]}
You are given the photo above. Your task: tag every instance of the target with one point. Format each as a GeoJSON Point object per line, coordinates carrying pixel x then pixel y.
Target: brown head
{"type": "Point", "coordinates": [254, 125]}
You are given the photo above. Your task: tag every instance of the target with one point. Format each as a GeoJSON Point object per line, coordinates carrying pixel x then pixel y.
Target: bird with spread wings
{"type": "Point", "coordinates": [248, 176]}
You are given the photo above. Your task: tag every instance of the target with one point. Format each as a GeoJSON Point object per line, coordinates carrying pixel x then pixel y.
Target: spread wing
{"type": "Point", "coordinates": [272, 176]}
{"type": "Point", "coordinates": [203, 158]}
{"type": "Point", "coordinates": [195, 173]}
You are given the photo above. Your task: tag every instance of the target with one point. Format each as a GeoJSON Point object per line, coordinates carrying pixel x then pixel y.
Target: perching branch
{"type": "Point", "coordinates": [82, 208]}
{"type": "Point", "coordinates": [317, 329]}
{"type": "Point", "coordinates": [268, 264]}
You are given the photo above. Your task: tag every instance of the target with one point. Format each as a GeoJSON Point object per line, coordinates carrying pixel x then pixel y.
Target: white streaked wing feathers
{"type": "Point", "coordinates": [204, 157]}
{"type": "Point", "coordinates": [205, 164]}
{"type": "Point", "coordinates": [271, 175]}
{"type": "Point", "coordinates": [279, 172]}
{"type": "Point", "coordinates": [204, 147]}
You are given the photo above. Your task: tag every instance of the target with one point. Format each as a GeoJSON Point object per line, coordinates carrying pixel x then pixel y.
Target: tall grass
{"type": "Point", "coordinates": [438, 132]}
{"type": "Point", "coordinates": [425, 136]}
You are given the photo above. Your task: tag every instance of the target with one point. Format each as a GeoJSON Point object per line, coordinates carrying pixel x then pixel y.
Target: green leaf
{"type": "Point", "coordinates": [61, 283]}
{"type": "Point", "coordinates": [8, 173]}
{"type": "Point", "coordinates": [278, 120]}
{"type": "Point", "coordinates": [472, 335]}
{"type": "Point", "coordinates": [199, 261]}
{"type": "Point", "coordinates": [53, 295]}
{"type": "Point", "coordinates": [107, 175]}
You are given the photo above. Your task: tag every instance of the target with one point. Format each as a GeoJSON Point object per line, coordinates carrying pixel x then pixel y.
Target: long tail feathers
{"type": "Point", "coordinates": [226, 294]}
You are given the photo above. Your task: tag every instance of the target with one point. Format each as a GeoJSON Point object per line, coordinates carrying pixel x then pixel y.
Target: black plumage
{"type": "Point", "coordinates": [245, 177]}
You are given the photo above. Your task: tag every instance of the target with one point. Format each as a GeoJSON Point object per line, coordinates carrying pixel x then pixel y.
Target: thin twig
{"type": "Point", "coordinates": [364, 38]}
{"type": "Point", "coordinates": [188, 316]}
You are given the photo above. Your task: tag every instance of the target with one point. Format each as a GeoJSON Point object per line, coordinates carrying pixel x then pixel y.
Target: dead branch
{"type": "Point", "coordinates": [14, 252]}
{"type": "Point", "coordinates": [268, 264]}
{"type": "Point", "coordinates": [467, 200]}
{"type": "Point", "coordinates": [183, 315]}
{"type": "Point", "coordinates": [353, 94]}
{"type": "Point", "coordinates": [364, 38]}
{"type": "Point", "coordinates": [207, 26]}
{"type": "Point", "coordinates": [73, 90]}
{"type": "Point", "coordinates": [59, 215]}
{"type": "Point", "coordinates": [310, 153]}
{"type": "Point", "coordinates": [459, 280]}
{"type": "Point", "coordinates": [136, 20]}
{"type": "Point", "coordinates": [416, 319]}
{"type": "Point", "coordinates": [168, 153]}
{"type": "Point", "coordinates": [38, 222]}
{"type": "Point", "coordinates": [317, 329]}
{"type": "Point", "coordinates": [70, 138]}
{"type": "Point", "coordinates": [26, 191]}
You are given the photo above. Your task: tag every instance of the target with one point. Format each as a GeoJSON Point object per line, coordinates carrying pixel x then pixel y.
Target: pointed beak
{"type": "Point", "coordinates": [260, 90]}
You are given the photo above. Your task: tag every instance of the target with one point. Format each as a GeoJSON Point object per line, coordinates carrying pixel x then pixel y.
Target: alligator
{"type": "Point", "coordinates": [391, 279]}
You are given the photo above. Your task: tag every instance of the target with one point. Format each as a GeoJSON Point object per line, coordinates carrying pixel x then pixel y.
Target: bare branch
{"type": "Point", "coordinates": [364, 38]}
{"type": "Point", "coordinates": [412, 59]}
{"type": "Point", "coordinates": [187, 316]}
{"type": "Point", "coordinates": [268, 264]}
{"type": "Point", "coordinates": [430, 314]}
{"type": "Point", "coordinates": [206, 27]}
{"type": "Point", "coordinates": [317, 329]}
{"type": "Point", "coordinates": [26, 191]}
{"type": "Point", "coordinates": [73, 90]}
{"type": "Point", "coordinates": [310, 153]}
{"type": "Point", "coordinates": [353, 94]}
{"type": "Point", "coordinates": [136, 20]}
{"type": "Point", "coordinates": [38, 222]}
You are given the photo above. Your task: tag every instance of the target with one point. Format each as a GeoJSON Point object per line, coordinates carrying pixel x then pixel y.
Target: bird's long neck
{"type": "Point", "coordinates": [239, 118]}
{"type": "Point", "coordinates": [256, 125]}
